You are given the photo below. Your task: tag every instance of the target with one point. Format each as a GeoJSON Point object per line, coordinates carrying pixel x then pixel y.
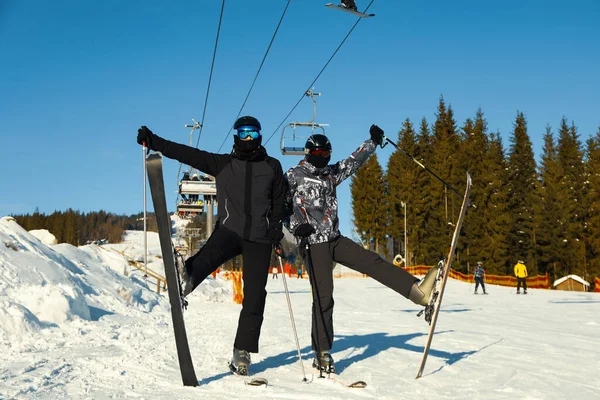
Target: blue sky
{"type": "Point", "coordinates": [77, 79]}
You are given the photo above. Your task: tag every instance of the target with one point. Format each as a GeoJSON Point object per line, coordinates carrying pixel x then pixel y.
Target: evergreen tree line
{"type": "Point", "coordinates": [547, 215]}
{"type": "Point", "coordinates": [79, 228]}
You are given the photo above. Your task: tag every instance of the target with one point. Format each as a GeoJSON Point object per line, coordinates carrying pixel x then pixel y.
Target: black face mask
{"type": "Point", "coordinates": [318, 161]}
{"type": "Point", "coordinates": [246, 146]}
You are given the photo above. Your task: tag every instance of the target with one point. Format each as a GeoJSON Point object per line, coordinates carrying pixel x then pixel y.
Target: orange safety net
{"type": "Point", "coordinates": [597, 284]}
{"type": "Point", "coordinates": [534, 282]}
{"type": "Point", "coordinates": [236, 280]}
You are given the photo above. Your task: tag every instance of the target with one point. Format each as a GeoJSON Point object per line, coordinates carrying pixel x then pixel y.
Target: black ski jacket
{"type": "Point", "coordinates": [250, 190]}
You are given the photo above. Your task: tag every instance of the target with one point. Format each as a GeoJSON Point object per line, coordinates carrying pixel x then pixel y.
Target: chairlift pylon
{"type": "Point", "coordinates": [192, 185]}
{"type": "Point", "coordinates": [296, 148]}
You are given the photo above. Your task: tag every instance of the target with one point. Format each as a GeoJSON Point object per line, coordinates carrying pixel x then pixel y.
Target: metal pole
{"type": "Point", "coordinates": [287, 296]}
{"type": "Point", "coordinates": [145, 226]}
{"type": "Point", "coordinates": [405, 240]}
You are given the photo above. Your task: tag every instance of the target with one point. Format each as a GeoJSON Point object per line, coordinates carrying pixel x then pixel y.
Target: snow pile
{"type": "Point", "coordinates": [45, 286]}
{"type": "Point", "coordinates": [44, 236]}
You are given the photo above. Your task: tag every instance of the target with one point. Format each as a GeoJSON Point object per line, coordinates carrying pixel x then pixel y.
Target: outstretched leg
{"type": "Point", "coordinates": [222, 246]}
{"type": "Point", "coordinates": [350, 254]}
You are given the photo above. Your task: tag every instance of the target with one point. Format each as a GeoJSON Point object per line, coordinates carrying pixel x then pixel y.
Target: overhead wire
{"type": "Point", "coordinates": [318, 75]}
{"type": "Point", "coordinates": [212, 67]}
{"type": "Point", "coordinates": [257, 72]}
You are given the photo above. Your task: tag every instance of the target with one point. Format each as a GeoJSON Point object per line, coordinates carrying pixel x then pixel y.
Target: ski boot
{"type": "Point", "coordinates": [240, 362]}
{"type": "Point", "coordinates": [349, 4]}
{"type": "Point", "coordinates": [324, 362]}
{"type": "Point", "coordinates": [421, 292]}
{"type": "Point", "coordinates": [187, 281]}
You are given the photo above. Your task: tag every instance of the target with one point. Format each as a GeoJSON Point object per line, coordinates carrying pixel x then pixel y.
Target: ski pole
{"type": "Point", "coordinates": [279, 252]}
{"type": "Point", "coordinates": [145, 228]}
{"type": "Point", "coordinates": [422, 166]}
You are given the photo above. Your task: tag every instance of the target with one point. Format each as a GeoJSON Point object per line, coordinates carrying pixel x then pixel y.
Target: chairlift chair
{"type": "Point", "coordinates": [297, 141]}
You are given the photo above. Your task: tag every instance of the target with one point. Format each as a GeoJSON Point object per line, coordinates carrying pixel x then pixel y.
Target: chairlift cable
{"type": "Point", "coordinates": [318, 76]}
{"type": "Point", "coordinates": [257, 72]}
{"type": "Point", "coordinates": [212, 67]}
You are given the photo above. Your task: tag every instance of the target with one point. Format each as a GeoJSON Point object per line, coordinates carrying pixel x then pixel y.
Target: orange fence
{"type": "Point", "coordinates": [534, 282]}
{"type": "Point", "coordinates": [597, 284]}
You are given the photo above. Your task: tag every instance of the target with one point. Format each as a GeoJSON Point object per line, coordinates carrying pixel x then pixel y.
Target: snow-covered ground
{"type": "Point", "coordinates": [73, 326]}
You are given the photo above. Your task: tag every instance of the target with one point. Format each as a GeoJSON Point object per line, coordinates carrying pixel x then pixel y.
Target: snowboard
{"type": "Point", "coordinates": [357, 13]}
{"type": "Point", "coordinates": [432, 311]}
{"type": "Point", "coordinates": [163, 222]}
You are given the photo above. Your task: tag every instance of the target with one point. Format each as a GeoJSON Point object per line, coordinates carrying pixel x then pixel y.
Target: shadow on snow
{"type": "Point", "coordinates": [369, 345]}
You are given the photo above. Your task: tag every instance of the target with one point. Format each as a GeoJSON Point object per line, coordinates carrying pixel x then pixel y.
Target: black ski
{"type": "Point", "coordinates": [248, 380]}
{"type": "Point", "coordinates": [351, 11]}
{"type": "Point", "coordinates": [157, 188]}
{"type": "Point", "coordinates": [432, 311]}
{"type": "Point", "coordinates": [332, 376]}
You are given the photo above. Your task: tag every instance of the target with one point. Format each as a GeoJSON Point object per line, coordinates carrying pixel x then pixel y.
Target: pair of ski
{"type": "Point", "coordinates": [188, 375]}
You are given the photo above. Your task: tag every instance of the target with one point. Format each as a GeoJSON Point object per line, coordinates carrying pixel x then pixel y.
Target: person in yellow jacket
{"type": "Point", "coordinates": [521, 274]}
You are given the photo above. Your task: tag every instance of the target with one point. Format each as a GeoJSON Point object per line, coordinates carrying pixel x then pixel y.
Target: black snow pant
{"type": "Point", "coordinates": [522, 281]}
{"type": "Point", "coordinates": [344, 251]}
{"type": "Point", "coordinates": [479, 281]}
{"type": "Point", "coordinates": [222, 246]}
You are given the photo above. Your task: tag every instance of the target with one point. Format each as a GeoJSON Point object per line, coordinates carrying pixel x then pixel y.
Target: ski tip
{"type": "Point", "coordinates": [358, 384]}
{"type": "Point", "coordinates": [257, 382]}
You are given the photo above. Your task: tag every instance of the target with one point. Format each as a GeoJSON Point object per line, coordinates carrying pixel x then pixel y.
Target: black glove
{"type": "Point", "coordinates": [275, 235]}
{"type": "Point", "coordinates": [376, 134]}
{"type": "Point", "coordinates": [145, 135]}
{"type": "Point", "coordinates": [304, 230]}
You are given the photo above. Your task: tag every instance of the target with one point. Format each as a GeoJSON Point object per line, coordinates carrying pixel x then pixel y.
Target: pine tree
{"type": "Point", "coordinates": [401, 183]}
{"type": "Point", "coordinates": [548, 217]}
{"type": "Point", "coordinates": [445, 163]}
{"type": "Point", "coordinates": [592, 240]}
{"type": "Point", "coordinates": [422, 211]}
{"type": "Point", "coordinates": [494, 207]}
{"type": "Point", "coordinates": [522, 195]}
{"type": "Point", "coordinates": [369, 203]}
{"type": "Point", "coordinates": [572, 198]}
{"type": "Point", "coordinates": [472, 157]}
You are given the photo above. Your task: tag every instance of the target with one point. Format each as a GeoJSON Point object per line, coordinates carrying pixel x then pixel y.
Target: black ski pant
{"type": "Point", "coordinates": [479, 281]}
{"type": "Point", "coordinates": [344, 251]}
{"type": "Point", "coordinates": [522, 281]}
{"type": "Point", "coordinates": [222, 246]}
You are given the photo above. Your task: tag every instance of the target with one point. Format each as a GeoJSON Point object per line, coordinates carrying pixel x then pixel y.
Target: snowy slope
{"type": "Point", "coordinates": [70, 331]}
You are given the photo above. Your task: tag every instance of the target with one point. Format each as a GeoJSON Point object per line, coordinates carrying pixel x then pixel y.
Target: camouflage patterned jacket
{"type": "Point", "coordinates": [312, 193]}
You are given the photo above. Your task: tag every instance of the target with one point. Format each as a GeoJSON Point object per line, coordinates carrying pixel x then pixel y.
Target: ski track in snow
{"type": "Point", "coordinates": [500, 346]}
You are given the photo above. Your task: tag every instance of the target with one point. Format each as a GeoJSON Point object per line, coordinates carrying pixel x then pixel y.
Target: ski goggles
{"type": "Point", "coordinates": [244, 131]}
{"type": "Point", "coordinates": [320, 152]}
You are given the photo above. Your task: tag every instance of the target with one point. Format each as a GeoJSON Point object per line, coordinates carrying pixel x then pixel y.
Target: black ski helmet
{"type": "Point", "coordinates": [245, 121]}
{"type": "Point", "coordinates": [317, 141]}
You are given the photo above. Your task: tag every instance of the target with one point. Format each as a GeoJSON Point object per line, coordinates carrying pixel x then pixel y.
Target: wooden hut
{"type": "Point", "coordinates": [572, 283]}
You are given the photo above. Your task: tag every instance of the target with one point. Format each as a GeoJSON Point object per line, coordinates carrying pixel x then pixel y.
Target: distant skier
{"type": "Point", "coordinates": [521, 274]}
{"type": "Point", "coordinates": [349, 4]}
{"type": "Point", "coordinates": [479, 273]}
{"type": "Point", "coordinates": [275, 273]}
{"type": "Point", "coordinates": [299, 273]}
{"type": "Point", "coordinates": [251, 196]}
{"type": "Point", "coordinates": [313, 205]}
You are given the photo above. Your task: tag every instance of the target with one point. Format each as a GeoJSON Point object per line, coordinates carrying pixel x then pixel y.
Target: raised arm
{"type": "Point", "coordinates": [346, 168]}
{"type": "Point", "coordinates": [209, 163]}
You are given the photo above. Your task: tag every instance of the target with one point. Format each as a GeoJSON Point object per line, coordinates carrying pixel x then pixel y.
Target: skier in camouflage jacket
{"type": "Point", "coordinates": [312, 207]}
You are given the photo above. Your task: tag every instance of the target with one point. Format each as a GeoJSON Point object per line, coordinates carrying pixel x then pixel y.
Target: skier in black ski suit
{"type": "Point", "coordinates": [251, 196]}
{"type": "Point", "coordinates": [313, 205]}
{"type": "Point", "coordinates": [479, 274]}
